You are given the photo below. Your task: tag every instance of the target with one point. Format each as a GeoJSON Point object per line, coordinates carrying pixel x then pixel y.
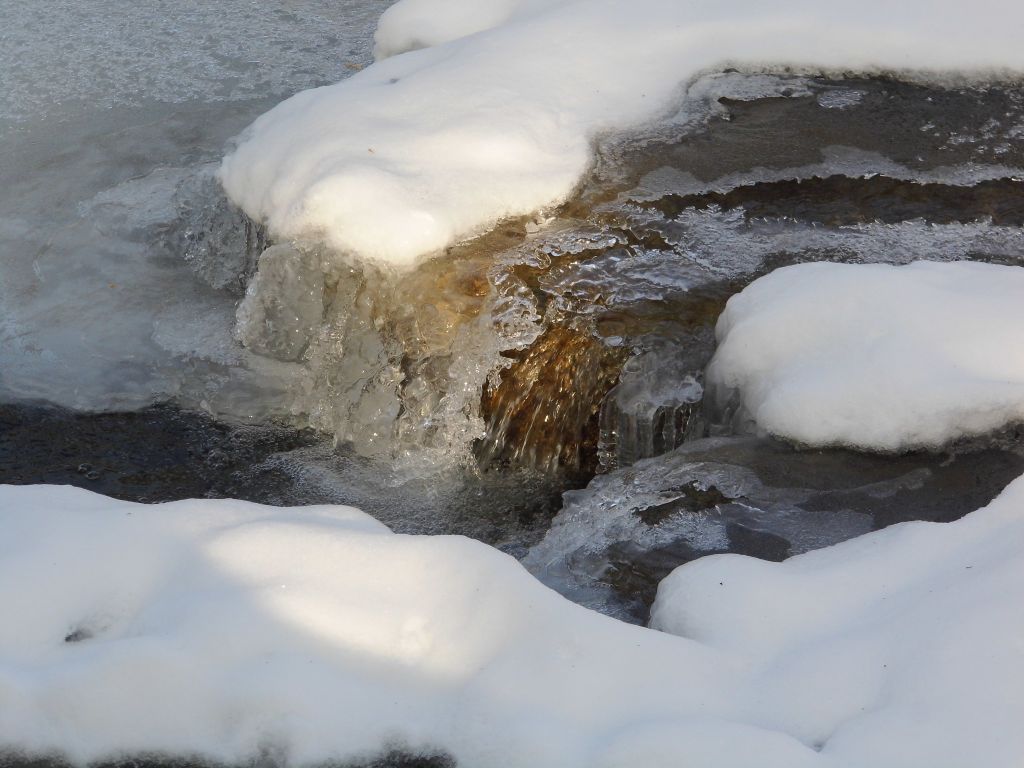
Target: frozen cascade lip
{"type": "Point", "coordinates": [497, 118]}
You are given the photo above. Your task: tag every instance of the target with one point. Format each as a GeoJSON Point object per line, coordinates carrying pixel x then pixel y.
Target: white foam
{"type": "Point", "coordinates": [876, 356]}
{"type": "Point", "coordinates": [497, 118]}
{"type": "Point", "coordinates": [222, 629]}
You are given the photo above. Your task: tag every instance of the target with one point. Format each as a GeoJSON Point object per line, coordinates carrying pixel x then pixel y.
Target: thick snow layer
{"type": "Point", "coordinates": [413, 24]}
{"type": "Point", "coordinates": [876, 356]}
{"type": "Point", "coordinates": [223, 629]}
{"type": "Point", "coordinates": [899, 648]}
{"type": "Point", "coordinates": [497, 119]}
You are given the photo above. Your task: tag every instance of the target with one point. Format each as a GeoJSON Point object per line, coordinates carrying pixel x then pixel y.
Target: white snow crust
{"type": "Point", "coordinates": [875, 356]}
{"type": "Point", "coordinates": [224, 629]}
{"type": "Point", "coordinates": [496, 119]}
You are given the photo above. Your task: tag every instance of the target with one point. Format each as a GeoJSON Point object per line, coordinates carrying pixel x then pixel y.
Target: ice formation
{"type": "Point", "coordinates": [496, 119]}
{"type": "Point", "coordinates": [223, 629]}
{"type": "Point", "coordinates": [110, 114]}
{"type": "Point", "coordinates": [875, 356]}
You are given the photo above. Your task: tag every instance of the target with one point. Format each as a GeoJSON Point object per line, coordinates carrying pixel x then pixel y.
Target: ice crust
{"type": "Point", "coordinates": [496, 119]}
{"type": "Point", "coordinates": [875, 356]}
{"type": "Point", "coordinates": [110, 113]}
{"type": "Point", "coordinates": [64, 57]}
{"type": "Point", "coordinates": [222, 629]}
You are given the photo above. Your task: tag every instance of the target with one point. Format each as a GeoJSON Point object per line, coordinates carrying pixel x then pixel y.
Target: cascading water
{"type": "Point", "coordinates": [577, 341]}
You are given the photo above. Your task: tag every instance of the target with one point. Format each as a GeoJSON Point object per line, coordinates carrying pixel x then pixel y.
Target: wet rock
{"type": "Point", "coordinates": [156, 454]}
{"type": "Point", "coordinates": [544, 411]}
{"type": "Point", "coordinates": [841, 200]}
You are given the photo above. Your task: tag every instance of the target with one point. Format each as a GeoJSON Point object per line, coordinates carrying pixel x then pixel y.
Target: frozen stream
{"type": "Point", "coordinates": [540, 385]}
{"type": "Point", "coordinates": [108, 112]}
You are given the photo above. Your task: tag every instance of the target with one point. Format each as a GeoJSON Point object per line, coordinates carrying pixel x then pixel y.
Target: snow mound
{"type": "Point", "coordinates": [497, 118]}
{"type": "Point", "coordinates": [224, 629]}
{"type": "Point", "coordinates": [899, 648]}
{"type": "Point", "coordinates": [874, 356]}
{"type": "Point", "coordinates": [413, 24]}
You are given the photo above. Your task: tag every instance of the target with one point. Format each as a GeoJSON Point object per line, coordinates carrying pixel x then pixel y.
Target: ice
{"type": "Point", "coordinates": [875, 356]}
{"type": "Point", "coordinates": [66, 57]}
{"type": "Point", "coordinates": [426, 148]}
{"type": "Point", "coordinates": [653, 408]}
{"type": "Point", "coordinates": [613, 541]}
{"type": "Point", "coordinates": [110, 115]}
{"type": "Point", "coordinates": [283, 305]}
{"type": "Point", "coordinates": [227, 631]}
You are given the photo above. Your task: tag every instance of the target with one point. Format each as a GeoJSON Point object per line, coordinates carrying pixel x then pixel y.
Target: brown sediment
{"type": "Point", "coordinates": [544, 412]}
{"type": "Point", "coordinates": [844, 200]}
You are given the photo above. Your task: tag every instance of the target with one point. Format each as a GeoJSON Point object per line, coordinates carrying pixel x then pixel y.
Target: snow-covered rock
{"type": "Point", "coordinates": [497, 118]}
{"type": "Point", "coordinates": [876, 356]}
{"type": "Point", "coordinates": [223, 629]}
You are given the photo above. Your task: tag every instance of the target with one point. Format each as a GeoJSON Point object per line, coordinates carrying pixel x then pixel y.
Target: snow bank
{"type": "Point", "coordinates": [221, 629]}
{"type": "Point", "coordinates": [413, 24]}
{"type": "Point", "coordinates": [497, 118]}
{"type": "Point", "coordinates": [899, 648]}
{"type": "Point", "coordinates": [876, 356]}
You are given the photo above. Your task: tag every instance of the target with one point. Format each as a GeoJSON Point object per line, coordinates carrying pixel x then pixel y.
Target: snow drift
{"type": "Point", "coordinates": [223, 629]}
{"type": "Point", "coordinates": [497, 117]}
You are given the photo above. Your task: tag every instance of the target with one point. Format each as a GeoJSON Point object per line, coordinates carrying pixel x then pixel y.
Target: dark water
{"type": "Point", "coordinates": [153, 455]}
{"type": "Point", "coordinates": [388, 760]}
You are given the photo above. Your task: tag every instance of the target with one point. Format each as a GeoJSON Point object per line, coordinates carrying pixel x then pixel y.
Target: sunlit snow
{"type": "Point", "coordinates": [875, 356]}
{"type": "Point", "coordinates": [437, 144]}
{"type": "Point", "coordinates": [318, 634]}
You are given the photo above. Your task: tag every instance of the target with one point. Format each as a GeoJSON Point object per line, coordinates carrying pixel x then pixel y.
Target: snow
{"type": "Point", "coordinates": [413, 24]}
{"type": "Point", "coordinates": [224, 629]}
{"type": "Point", "coordinates": [875, 356]}
{"type": "Point", "coordinates": [895, 648]}
{"type": "Point", "coordinates": [496, 119]}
